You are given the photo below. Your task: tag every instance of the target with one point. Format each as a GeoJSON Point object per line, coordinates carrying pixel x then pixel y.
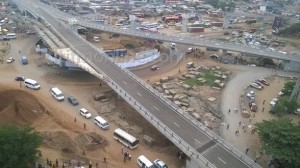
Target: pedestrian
{"type": "Point", "coordinates": [129, 157]}
{"type": "Point", "coordinates": [240, 123]}
{"type": "Point", "coordinates": [56, 163]}
{"type": "Point", "coordinates": [20, 51]}
{"type": "Point", "coordinates": [40, 154]}
{"type": "Point", "coordinates": [244, 125]}
{"type": "Point", "coordinates": [104, 160]}
{"type": "Point", "coordinates": [96, 164]}
{"type": "Point", "coordinates": [263, 109]}
{"type": "Point", "coordinates": [48, 161]}
{"type": "Point", "coordinates": [253, 115]}
{"type": "Point", "coordinates": [227, 126]}
{"type": "Point", "coordinates": [75, 119]}
{"type": "Point", "coordinates": [264, 101]}
{"type": "Point", "coordinates": [124, 158]}
{"type": "Point", "coordinates": [247, 150]}
{"type": "Point", "coordinates": [122, 150]}
{"type": "Point", "coordinates": [228, 111]}
{"type": "Point", "coordinates": [100, 84]}
{"type": "Point", "coordinates": [236, 110]}
{"type": "Point", "coordinates": [90, 164]}
{"type": "Point", "coordinates": [84, 125]}
{"type": "Point", "coordinates": [64, 165]}
{"type": "Point", "coordinates": [179, 70]}
{"type": "Point", "coordinates": [83, 152]}
{"type": "Point", "coordinates": [250, 120]}
{"type": "Point", "coordinates": [237, 132]}
{"type": "Point", "coordinates": [70, 163]}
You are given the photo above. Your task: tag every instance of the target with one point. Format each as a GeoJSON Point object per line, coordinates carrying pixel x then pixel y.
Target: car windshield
{"type": "Point", "coordinates": [36, 84]}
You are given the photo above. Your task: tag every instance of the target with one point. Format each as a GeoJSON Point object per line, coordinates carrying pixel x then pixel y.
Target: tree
{"type": "Point", "coordinates": [291, 106]}
{"type": "Point", "coordinates": [214, 3]}
{"type": "Point", "coordinates": [288, 88]}
{"type": "Point", "coordinates": [226, 5]}
{"type": "Point", "coordinates": [18, 146]}
{"type": "Point", "coordinates": [279, 109]}
{"type": "Point", "coordinates": [281, 139]}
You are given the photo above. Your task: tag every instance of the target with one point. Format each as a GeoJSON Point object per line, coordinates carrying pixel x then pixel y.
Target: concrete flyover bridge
{"type": "Point", "coordinates": [195, 41]}
{"type": "Point", "coordinates": [203, 146]}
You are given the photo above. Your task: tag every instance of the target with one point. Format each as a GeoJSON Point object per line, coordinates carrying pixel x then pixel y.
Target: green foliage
{"type": "Point", "coordinates": [284, 106]}
{"type": "Point", "coordinates": [291, 106]}
{"type": "Point", "coordinates": [18, 146]}
{"type": "Point", "coordinates": [223, 4]}
{"type": "Point", "coordinates": [279, 109]}
{"type": "Point", "coordinates": [130, 44]}
{"type": "Point", "coordinates": [288, 88]}
{"type": "Point", "coordinates": [192, 82]}
{"type": "Point", "coordinates": [294, 29]}
{"type": "Point", "coordinates": [281, 138]}
{"type": "Point", "coordinates": [214, 3]}
{"type": "Point", "coordinates": [208, 76]}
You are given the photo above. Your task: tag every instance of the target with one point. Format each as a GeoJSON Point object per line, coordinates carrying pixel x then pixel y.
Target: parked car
{"type": "Point", "coordinates": [73, 100]}
{"type": "Point", "coordinates": [273, 102]}
{"type": "Point", "coordinates": [160, 164]}
{"type": "Point", "coordinates": [258, 82]}
{"type": "Point", "coordinates": [99, 96]}
{"type": "Point", "coordinates": [264, 81]}
{"type": "Point", "coordinates": [253, 107]}
{"type": "Point", "coordinates": [10, 60]}
{"type": "Point", "coordinates": [154, 67]}
{"type": "Point", "coordinates": [20, 78]}
{"type": "Point", "coordinates": [255, 85]}
{"type": "Point", "coordinates": [85, 113]}
{"type": "Point", "coordinates": [251, 94]}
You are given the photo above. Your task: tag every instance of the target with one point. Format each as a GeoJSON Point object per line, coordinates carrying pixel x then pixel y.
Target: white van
{"type": "Point", "coordinates": [101, 122]}
{"type": "Point", "coordinates": [57, 94]}
{"type": "Point", "coordinates": [143, 162]}
{"type": "Point", "coordinates": [11, 35]}
{"type": "Point", "coordinates": [31, 84]}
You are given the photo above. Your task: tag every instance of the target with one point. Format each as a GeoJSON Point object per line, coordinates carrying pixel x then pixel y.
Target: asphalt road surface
{"type": "Point", "coordinates": [215, 153]}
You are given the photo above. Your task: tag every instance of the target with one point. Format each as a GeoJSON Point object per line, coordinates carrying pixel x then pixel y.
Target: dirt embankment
{"type": "Point", "coordinates": [21, 107]}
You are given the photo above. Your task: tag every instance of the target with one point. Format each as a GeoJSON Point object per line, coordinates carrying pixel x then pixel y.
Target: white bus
{"type": "Point", "coordinates": [32, 84]}
{"type": "Point", "coordinates": [11, 35]}
{"type": "Point", "coordinates": [125, 138]}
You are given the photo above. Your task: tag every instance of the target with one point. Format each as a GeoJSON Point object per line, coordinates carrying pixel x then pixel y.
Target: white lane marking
{"type": "Point", "coordinates": [139, 94]}
{"type": "Point", "coordinates": [176, 124]}
{"type": "Point", "coordinates": [124, 82]}
{"type": "Point", "coordinates": [222, 160]}
{"type": "Point", "coordinates": [156, 108]}
{"type": "Point", "coordinates": [197, 141]}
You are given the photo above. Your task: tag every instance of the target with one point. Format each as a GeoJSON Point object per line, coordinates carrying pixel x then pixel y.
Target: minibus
{"type": "Point", "coordinates": [99, 121]}
{"type": "Point", "coordinates": [32, 84]}
{"type": "Point", "coordinates": [57, 94]}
